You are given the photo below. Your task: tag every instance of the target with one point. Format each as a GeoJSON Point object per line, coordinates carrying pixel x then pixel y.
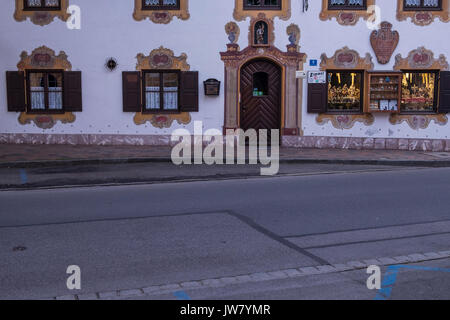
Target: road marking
{"type": "Point", "coordinates": [23, 176]}
{"type": "Point", "coordinates": [390, 278]}
{"type": "Point", "coordinates": [181, 295]}
{"type": "Point", "coordinates": [299, 272]}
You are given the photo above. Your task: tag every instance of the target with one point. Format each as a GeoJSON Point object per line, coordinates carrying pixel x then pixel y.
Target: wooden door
{"type": "Point", "coordinates": [260, 106]}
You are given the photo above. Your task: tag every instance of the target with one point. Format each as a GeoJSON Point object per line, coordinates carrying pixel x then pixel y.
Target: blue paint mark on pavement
{"type": "Point", "coordinates": [390, 277]}
{"type": "Point", "coordinates": [23, 176]}
{"type": "Point", "coordinates": [181, 295]}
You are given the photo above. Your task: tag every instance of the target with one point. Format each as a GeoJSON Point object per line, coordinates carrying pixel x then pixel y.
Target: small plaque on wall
{"type": "Point", "coordinates": [212, 87]}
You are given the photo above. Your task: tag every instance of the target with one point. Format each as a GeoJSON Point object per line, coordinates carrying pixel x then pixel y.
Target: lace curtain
{"type": "Point", "coordinates": [426, 3]}
{"type": "Point", "coordinates": [349, 2]}
{"type": "Point", "coordinates": [170, 98]}
{"type": "Point", "coordinates": [164, 3]}
{"type": "Point", "coordinates": [38, 98]}
{"type": "Point", "coordinates": [48, 3]}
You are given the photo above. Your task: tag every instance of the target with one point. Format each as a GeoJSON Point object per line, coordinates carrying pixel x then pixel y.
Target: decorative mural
{"type": "Point", "coordinates": [40, 17]}
{"type": "Point", "coordinates": [162, 58]}
{"type": "Point", "coordinates": [346, 58]}
{"type": "Point", "coordinates": [420, 59]}
{"type": "Point", "coordinates": [44, 58]}
{"type": "Point", "coordinates": [417, 121]}
{"type": "Point", "coordinates": [345, 17]}
{"type": "Point", "coordinates": [423, 18]}
{"type": "Point", "coordinates": [240, 14]}
{"type": "Point", "coordinates": [384, 42]}
{"type": "Point", "coordinates": [345, 121]}
{"type": "Point", "coordinates": [161, 16]}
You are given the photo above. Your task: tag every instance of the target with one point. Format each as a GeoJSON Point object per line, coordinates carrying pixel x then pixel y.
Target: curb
{"type": "Point", "coordinates": [256, 277]}
{"type": "Point", "coordinates": [388, 162]}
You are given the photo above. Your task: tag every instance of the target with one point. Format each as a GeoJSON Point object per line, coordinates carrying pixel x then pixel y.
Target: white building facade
{"type": "Point", "coordinates": [358, 74]}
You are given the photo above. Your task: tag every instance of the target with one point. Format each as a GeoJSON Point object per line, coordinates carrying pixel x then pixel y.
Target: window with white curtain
{"type": "Point", "coordinates": [160, 4]}
{"type": "Point", "coordinates": [45, 90]}
{"type": "Point", "coordinates": [347, 4]}
{"type": "Point", "coordinates": [161, 91]}
{"type": "Point", "coordinates": [422, 5]}
{"type": "Point", "coordinates": [262, 4]}
{"type": "Point", "coordinates": [42, 4]}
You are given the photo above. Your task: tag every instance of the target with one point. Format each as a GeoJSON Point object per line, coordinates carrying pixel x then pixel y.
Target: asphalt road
{"type": "Point", "coordinates": [136, 236]}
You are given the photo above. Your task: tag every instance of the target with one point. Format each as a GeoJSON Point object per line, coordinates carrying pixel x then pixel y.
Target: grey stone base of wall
{"type": "Point", "coordinates": [86, 139]}
{"type": "Point", "coordinates": [433, 145]}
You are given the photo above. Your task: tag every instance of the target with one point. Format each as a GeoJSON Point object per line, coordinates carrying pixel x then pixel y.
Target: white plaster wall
{"type": "Point", "coordinates": [108, 29]}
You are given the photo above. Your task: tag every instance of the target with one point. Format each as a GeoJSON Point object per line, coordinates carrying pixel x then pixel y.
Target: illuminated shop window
{"type": "Point", "coordinates": [419, 91]}
{"type": "Point", "coordinates": [345, 91]}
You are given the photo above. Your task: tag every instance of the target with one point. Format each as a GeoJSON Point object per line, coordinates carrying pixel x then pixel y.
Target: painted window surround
{"type": "Point", "coordinates": [41, 17]}
{"type": "Point", "coordinates": [345, 17]}
{"type": "Point", "coordinates": [161, 16]}
{"type": "Point", "coordinates": [421, 17]}
{"type": "Point", "coordinates": [241, 13]}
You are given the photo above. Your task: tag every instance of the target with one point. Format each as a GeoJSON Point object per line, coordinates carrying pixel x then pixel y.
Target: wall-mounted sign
{"type": "Point", "coordinates": [212, 87]}
{"type": "Point", "coordinates": [317, 77]}
{"type": "Point", "coordinates": [313, 63]}
{"type": "Point", "coordinates": [300, 74]}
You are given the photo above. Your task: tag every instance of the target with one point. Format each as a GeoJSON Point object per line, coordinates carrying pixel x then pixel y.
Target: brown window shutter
{"type": "Point", "coordinates": [189, 91]}
{"type": "Point", "coordinates": [444, 92]}
{"type": "Point", "coordinates": [131, 86]}
{"type": "Point", "coordinates": [15, 87]}
{"type": "Point", "coordinates": [317, 97]}
{"type": "Point", "coordinates": [72, 91]}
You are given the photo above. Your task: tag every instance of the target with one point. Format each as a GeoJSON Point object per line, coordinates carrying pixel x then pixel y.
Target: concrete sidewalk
{"type": "Point", "coordinates": [14, 155]}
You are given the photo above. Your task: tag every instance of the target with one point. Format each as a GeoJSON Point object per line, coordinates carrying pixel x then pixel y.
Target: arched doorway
{"type": "Point", "coordinates": [260, 89]}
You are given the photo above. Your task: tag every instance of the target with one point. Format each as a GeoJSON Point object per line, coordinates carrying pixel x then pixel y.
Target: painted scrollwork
{"type": "Point", "coordinates": [44, 58]}
{"type": "Point", "coordinates": [421, 58]}
{"type": "Point", "coordinates": [418, 121]}
{"type": "Point", "coordinates": [345, 17]}
{"type": "Point", "coordinates": [161, 16]}
{"type": "Point", "coordinates": [346, 58]}
{"type": "Point", "coordinates": [40, 17]}
{"type": "Point", "coordinates": [162, 58]}
{"type": "Point", "coordinates": [345, 121]}
{"type": "Point", "coordinates": [240, 14]}
{"type": "Point", "coordinates": [423, 18]}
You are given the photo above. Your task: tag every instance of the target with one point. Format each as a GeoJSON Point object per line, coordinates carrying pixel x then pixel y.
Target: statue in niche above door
{"type": "Point", "coordinates": [261, 34]}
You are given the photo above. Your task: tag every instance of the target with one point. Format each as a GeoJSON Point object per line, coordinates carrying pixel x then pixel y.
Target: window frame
{"type": "Point", "coordinates": [362, 91]}
{"type": "Point", "coordinates": [161, 91]}
{"type": "Point", "coordinates": [422, 7]}
{"type": "Point", "coordinates": [263, 7]}
{"type": "Point", "coordinates": [26, 7]}
{"type": "Point", "coordinates": [160, 6]}
{"type": "Point", "coordinates": [29, 110]}
{"type": "Point", "coordinates": [347, 7]}
{"type": "Point", "coordinates": [436, 91]}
